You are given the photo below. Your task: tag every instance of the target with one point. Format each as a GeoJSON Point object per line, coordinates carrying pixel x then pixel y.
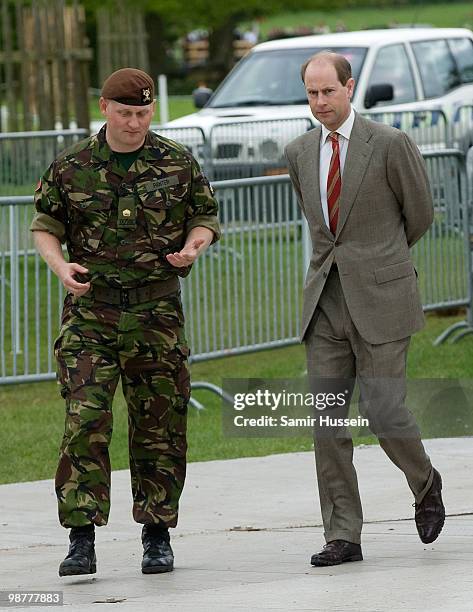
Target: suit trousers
{"type": "Point", "coordinates": [336, 350]}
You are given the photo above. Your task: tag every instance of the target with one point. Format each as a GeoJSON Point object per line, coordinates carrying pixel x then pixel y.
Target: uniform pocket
{"type": "Point", "coordinates": [164, 212]}
{"type": "Point", "coordinates": [89, 216]}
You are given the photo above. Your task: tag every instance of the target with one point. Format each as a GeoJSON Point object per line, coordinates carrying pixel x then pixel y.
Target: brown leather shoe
{"type": "Point", "coordinates": [430, 513]}
{"type": "Point", "coordinates": [336, 552]}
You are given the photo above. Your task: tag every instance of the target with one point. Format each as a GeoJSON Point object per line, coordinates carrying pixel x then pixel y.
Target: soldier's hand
{"type": "Point", "coordinates": [187, 255]}
{"type": "Point", "coordinates": [68, 277]}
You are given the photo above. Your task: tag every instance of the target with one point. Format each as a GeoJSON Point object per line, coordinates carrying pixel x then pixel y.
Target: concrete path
{"type": "Point", "coordinates": [247, 530]}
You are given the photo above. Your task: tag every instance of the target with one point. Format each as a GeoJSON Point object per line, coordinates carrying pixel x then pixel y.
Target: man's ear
{"type": "Point", "coordinates": [103, 103]}
{"type": "Point", "coordinates": [351, 86]}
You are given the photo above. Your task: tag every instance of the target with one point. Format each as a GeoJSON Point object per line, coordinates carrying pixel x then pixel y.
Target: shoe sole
{"type": "Point", "coordinates": [157, 569]}
{"type": "Point", "coordinates": [328, 563]}
{"type": "Point", "coordinates": [77, 571]}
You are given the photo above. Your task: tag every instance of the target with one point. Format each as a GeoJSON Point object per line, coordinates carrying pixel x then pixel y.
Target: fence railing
{"type": "Point", "coordinates": [429, 129]}
{"type": "Point", "coordinates": [237, 149]}
{"type": "Point", "coordinates": [24, 156]}
{"type": "Point", "coordinates": [442, 257]}
{"type": "Point", "coordinates": [193, 138]}
{"type": "Point", "coordinates": [462, 127]}
{"type": "Point", "coordinates": [244, 294]}
{"type": "Point", "coordinates": [246, 148]}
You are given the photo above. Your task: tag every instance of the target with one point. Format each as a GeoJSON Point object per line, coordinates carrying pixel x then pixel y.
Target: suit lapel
{"type": "Point", "coordinates": [309, 165]}
{"type": "Point", "coordinates": [358, 156]}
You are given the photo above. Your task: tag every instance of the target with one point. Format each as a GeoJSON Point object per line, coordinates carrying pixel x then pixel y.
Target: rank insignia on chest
{"type": "Point", "coordinates": [127, 212]}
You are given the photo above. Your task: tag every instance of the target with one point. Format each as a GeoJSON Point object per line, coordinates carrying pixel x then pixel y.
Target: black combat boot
{"type": "Point", "coordinates": [81, 556]}
{"type": "Point", "coordinates": [157, 552]}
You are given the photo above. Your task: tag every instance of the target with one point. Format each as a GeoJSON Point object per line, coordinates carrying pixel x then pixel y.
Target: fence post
{"type": "Point", "coordinates": [163, 99]}
{"type": "Point", "coordinates": [14, 283]}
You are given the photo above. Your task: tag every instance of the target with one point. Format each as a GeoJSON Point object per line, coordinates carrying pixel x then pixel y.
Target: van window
{"type": "Point", "coordinates": [392, 66]}
{"type": "Point", "coordinates": [436, 66]}
{"type": "Point", "coordinates": [273, 77]}
{"type": "Point", "coordinates": [462, 49]}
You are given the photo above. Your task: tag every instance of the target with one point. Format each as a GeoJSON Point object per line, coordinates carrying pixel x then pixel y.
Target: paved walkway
{"type": "Point", "coordinates": [247, 530]}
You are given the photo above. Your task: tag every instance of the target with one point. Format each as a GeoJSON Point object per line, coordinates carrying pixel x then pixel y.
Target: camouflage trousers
{"type": "Point", "coordinates": [145, 346]}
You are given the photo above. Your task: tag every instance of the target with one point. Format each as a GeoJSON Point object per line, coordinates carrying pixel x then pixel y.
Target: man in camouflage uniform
{"type": "Point", "coordinates": [135, 211]}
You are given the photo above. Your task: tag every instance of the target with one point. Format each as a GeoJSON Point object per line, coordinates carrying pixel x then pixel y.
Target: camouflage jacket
{"type": "Point", "coordinates": [119, 224]}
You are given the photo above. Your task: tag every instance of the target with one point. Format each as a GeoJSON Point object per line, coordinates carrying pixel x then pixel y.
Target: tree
{"type": "Point", "coordinates": [173, 18]}
{"type": "Point", "coordinates": [221, 19]}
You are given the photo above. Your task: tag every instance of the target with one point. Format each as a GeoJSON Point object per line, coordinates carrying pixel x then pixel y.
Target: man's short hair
{"type": "Point", "coordinates": [340, 63]}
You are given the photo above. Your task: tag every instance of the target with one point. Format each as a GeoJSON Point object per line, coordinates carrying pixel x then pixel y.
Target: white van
{"type": "Point", "coordinates": [405, 69]}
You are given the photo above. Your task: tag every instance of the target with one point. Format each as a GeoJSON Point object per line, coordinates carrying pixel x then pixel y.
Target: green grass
{"type": "Point", "coordinates": [452, 14]}
{"type": "Point", "coordinates": [33, 415]}
{"type": "Point", "coordinates": [17, 190]}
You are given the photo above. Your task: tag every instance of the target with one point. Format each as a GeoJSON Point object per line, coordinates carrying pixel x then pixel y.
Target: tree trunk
{"type": "Point", "coordinates": [158, 43]}
{"type": "Point", "coordinates": [221, 59]}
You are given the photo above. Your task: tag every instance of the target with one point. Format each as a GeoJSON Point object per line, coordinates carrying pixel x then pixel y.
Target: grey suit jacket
{"type": "Point", "coordinates": [385, 207]}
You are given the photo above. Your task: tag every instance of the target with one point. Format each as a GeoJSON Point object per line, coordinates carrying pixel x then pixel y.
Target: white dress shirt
{"type": "Point", "coordinates": [344, 132]}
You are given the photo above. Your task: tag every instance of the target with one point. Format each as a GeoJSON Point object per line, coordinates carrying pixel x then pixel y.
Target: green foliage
{"type": "Point", "coordinates": [212, 13]}
{"type": "Point", "coordinates": [454, 14]}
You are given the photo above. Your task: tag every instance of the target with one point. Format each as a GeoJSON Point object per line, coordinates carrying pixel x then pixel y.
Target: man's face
{"type": "Point", "coordinates": [329, 100]}
{"type": "Point", "coordinates": [126, 125]}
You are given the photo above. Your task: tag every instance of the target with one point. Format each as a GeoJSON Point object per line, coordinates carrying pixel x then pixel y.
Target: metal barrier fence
{"type": "Point", "coordinates": [428, 128]}
{"type": "Point", "coordinates": [442, 256]}
{"type": "Point", "coordinates": [244, 293]}
{"type": "Point", "coordinates": [241, 148]}
{"type": "Point", "coordinates": [462, 128]}
{"type": "Point", "coordinates": [193, 138]}
{"type": "Point", "coordinates": [24, 156]}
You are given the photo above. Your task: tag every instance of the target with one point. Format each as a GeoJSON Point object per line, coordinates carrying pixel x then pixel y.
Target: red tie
{"type": "Point", "coordinates": [334, 183]}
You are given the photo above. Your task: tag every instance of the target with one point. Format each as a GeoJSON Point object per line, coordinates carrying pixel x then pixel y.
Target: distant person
{"type": "Point", "coordinates": [250, 36]}
{"type": "Point", "coordinates": [135, 212]}
{"type": "Point", "coordinates": [364, 191]}
{"type": "Point", "coordinates": [201, 94]}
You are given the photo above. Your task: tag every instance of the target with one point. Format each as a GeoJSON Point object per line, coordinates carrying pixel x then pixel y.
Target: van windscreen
{"type": "Point", "coordinates": [273, 77]}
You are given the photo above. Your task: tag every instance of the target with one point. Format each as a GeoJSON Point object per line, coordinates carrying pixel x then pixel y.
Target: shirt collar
{"type": "Point", "coordinates": [102, 151]}
{"type": "Point", "coordinates": [344, 130]}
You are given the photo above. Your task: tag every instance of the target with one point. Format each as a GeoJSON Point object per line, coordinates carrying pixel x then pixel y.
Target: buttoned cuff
{"type": "Point", "coordinates": [45, 223]}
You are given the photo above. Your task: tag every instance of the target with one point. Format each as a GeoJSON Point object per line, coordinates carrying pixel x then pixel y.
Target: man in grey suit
{"type": "Point", "coordinates": [363, 189]}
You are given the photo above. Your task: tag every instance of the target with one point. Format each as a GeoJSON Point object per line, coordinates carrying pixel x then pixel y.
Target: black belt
{"type": "Point", "coordinates": [136, 295]}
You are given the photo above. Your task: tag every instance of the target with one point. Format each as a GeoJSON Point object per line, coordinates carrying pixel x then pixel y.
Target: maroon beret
{"type": "Point", "coordinates": [129, 86]}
